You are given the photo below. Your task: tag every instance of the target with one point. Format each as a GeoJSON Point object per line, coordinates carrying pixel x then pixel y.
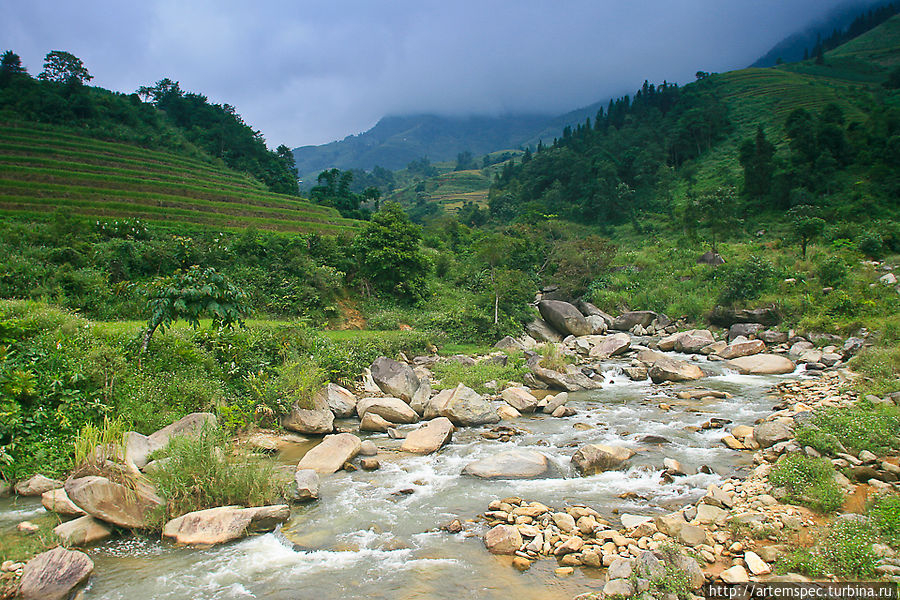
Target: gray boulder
{"type": "Point", "coordinates": [726, 317]}
{"type": "Point", "coordinates": [467, 408]}
{"type": "Point", "coordinates": [626, 321]}
{"type": "Point", "coordinates": [611, 345]}
{"type": "Point", "coordinates": [428, 438]}
{"type": "Point", "coordinates": [509, 343]}
{"type": "Point", "coordinates": [395, 378]}
{"type": "Point", "coordinates": [224, 524]}
{"type": "Point", "coordinates": [596, 458]}
{"type": "Point", "coordinates": [57, 501]}
{"type": "Point", "coordinates": [340, 400]}
{"type": "Point", "coordinates": [511, 464]}
{"type": "Point", "coordinates": [589, 310]}
{"type": "Point", "coordinates": [599, 325]}
{"type": "Point", "coordinates": [394, 410]}
{"type": "Point", "coordinates": [520, 398]}
{"type": "Point", "coordinates": [769, 433]}
{"type": "Point", "coordinates": [37, 485]}
{"type": "Point", "coordinates": [737, 349]}
{"type": "Point", "coordinates": [82, 531]}
{"type": "Point", "coordinates": [316, 420]}
{"type": "Point", "coordinates": [306, 485]}
{"type": "Point", "coordinates": [564, 317]}
{"type": "Point", "coordinates": [188, 425]}
{"type": "Point", "coordinates": [670, 369]}
{"type": "Point", "coordinates": [693, 341]}
{"type": "Point", "coordinates": [542, 331]}
{"type": "Point", "coordinates": [113, 502]}
{"type": "Point", "coordinates": [748, 330]}
{"type": "Point", "coordinates": [55, 574]}
{"type": "Point", "coordinates": [331, 454]}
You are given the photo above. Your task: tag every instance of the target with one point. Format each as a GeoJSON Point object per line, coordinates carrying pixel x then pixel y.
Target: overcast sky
{"type": "Point", "coordinates": [308, 72]}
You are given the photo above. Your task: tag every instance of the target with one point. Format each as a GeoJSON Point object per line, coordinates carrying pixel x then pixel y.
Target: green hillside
{"type": "Point", "coordinates": [46, 168]}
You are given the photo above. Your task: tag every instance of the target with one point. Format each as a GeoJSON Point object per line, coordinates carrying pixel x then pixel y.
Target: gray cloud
{"type": "Point", "coordinates": [313, 71]}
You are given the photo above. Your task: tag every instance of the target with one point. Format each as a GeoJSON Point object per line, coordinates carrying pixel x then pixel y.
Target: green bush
{"type": "Point", "coordinates": [203, 471]}
{"type": "Point", "coordinates": [860, 427]}
{"type": "Point", "coordinates": [746, 280]}
{"type": "Point", "coordinates": [847, 549]}
{"type": "Point", "coordinates": [272, 394]}
{"type": "Point", "coordinates": [884, 515]}
{"type": "Point", "coordinates": [451, 373]}
{"type": "Point", "coordinates": [809, 481]}
{"type": "Point", "coordinates": [880, 368]}
{"type": "Point", "coordinates": [832, 271]}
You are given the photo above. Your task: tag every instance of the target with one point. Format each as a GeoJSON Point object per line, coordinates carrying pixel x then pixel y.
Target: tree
{"type": "Point", "coordinates": [11, 68]}
{"type": "Point", "coordinates": [190, 295]}
{"type": "Point", "coordinates": [756, 157]}
{"type": "Point", "coordinates": [389, 257]}
{"type": "Point", "coordinates": [805, 225]}
{"type": "Point", "coordinates": [717, 210]}
{"type": "Point", "coordinates": [63, 67]}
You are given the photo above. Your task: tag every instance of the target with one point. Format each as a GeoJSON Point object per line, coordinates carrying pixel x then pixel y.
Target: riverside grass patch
{"type": "Point", "coordinates": [844, 550]}
{"type": "Point", "coordinates": [809, 481]}
{"type": "Point", "coordinates": [854, 429]}
{"type": "Point", "coordinates": [451, 373]}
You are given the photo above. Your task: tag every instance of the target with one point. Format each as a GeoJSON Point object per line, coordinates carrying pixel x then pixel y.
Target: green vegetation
{"type": "Point", "coordinates": [809, 481]}
{"type": "Point", "coordinates": [884, 514]}
{"type": "Point", "coordinates": [451, 373]}
{"type": "Point", "coordinates": [845, 550]}
{"type": "Point", "coordinates": [853, 429]}
{"type": "Point", "coordinates": [204, 471]}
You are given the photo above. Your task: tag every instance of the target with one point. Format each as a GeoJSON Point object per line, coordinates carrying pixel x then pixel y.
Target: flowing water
{"type": "Point", "coordinates": [374, 534]}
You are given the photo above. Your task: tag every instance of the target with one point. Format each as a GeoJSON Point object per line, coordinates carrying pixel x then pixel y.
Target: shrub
{"type": "Point", "coordinates": [272, 394]}
{"type": "Point", "coordinates": [809, 481]}
{"type": "Point", "coordinates": [450, 373]}
{"type": "Point", "coordinates": [880, 367]}
{"type": "Point", "coordinates": [832, 271]}
{"type": "Point", "coordinates": [884, 515]}
{"type": "Point", "coordinates": [745, 280]}
{"type": "Point", "coordinates": [203, 472]}
{"type": "Point", "coordinates": [552, 359]}
{"type": "Point", "coordinates": [847, 549]}
{"type": "Point", "coordinates": [858, 428]}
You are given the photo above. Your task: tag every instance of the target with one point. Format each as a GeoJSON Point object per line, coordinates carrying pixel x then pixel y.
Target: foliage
{"type": "Point", "coordinates": [857, 428]}
{"type": "Point", "coordinates": [880, 367]}
{"type": "Point", "coordinates": [273, 393]}
{"type": "Point", "coordinates": [745, 280]}
{"type": "Point", "coordinates": [451, 373]}
{"type": "Point", "coordinates": [96, 444]}
{"type": "Point", "coordinates": [63, 67]}
{"type": "Point", "coordinates": [809, 481]}
{"type": "Point", "coordinates": [203, 471]}
{"type": "Point", "coordinates": [552, 359]}
{"type": "Point", "coordinates": [884, 514]}
{"type": "Point", "coordinates": [832, 271]}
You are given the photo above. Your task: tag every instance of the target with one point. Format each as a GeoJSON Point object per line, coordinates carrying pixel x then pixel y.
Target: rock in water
{"type": "Point", "coordinates": [467, 408]}
{"type": "Point", "coordinates": [82, 531]}
{"type": "Point", "coordinates": [331, 454]}
{"type": "Point", "coordinates": [429, 437]}
{"type": "Point", "coordinates": [520, 398]}
{"type": "Point", "coordinates": [564, 317]}
{"type": "Point", "coordinates": [55, 574]}
{"type": "Point", "coordinates": [373, 422]}
{"type": "Point", "coordinates": [37, 485]}
{"type": "Point", "coordinates": [316, 420]}
{"type": "Point", "coordinates": [341, 401]}
{"type": "Point", "coordinates": [113, 502]}
{"type": "Point", "coordinates": [611, 345]}
{"type": "Point", "coordinates": [670, 369]}
{"type": "Point", "coordinates": [511, 464]}
{"type": "Point", "coordinates": [503, 539]}
{"type": "Point", "coordinates": [739, 349]}
{"type": "Point", "coordinates": [394, 410]}
{"type": "Point", "coordinates": [306, 485]}
{"type": "Point", "coordinates": [224, 523]}
{"type": "Point", "coordinates": [57, 501]}
{"type": "Point", "coordinates": [762, 364]}
{"type": "Point", "coordinates": [395, 378]}
{"type": "Point", "coordinates": [596, 458]}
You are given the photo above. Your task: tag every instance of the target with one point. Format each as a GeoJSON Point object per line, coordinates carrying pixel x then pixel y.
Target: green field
{"type": "Point", "coordinates": [44, 169]}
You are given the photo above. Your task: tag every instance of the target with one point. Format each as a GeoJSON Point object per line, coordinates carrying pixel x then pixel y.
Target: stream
{"type": "Point", "coordinates": [375, 534]}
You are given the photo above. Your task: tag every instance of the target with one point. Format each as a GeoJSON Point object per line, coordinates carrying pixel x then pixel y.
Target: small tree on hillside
{"type": "Point", "coordinates": [717, 210]}
{"type": "Point", "coordinates": [806, 225]}
{"type": "Point", "coordinates": [11, 67]}
{"type": "Point", "coordinates": [63, 67]}
{"type": "Point", "coordinates": [191, 295]}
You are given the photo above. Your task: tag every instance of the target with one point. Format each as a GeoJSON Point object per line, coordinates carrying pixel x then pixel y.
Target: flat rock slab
{"type": "Point", "coordinates": [430, 437]}
{"type": "Point", "coordinates": [395, 410]}
{"type": "Point", "coordinates": [82, 531]}
{"type": "Point", "coordinates": [331, 454]}
{"type": "Point", "coordinates": [224, 524]}
{"type": "Point", "coordinates": [113, 502]}
{"type": "Point", "coordinates": [762, 364]}
{"type": "Point", "coordinates": [55, 574]}
{"type": "Point", "coordinates": [37, 485]}
{"type": "Point", "coordinates": [511, 464]}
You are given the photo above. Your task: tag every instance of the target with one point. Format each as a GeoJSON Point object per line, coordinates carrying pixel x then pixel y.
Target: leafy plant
{"type": "Point", "coordinates": [746, 280]}
{"type": "Point", "coordinates": [809, 481]}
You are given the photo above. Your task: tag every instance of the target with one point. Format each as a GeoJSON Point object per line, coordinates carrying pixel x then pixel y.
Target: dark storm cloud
{"type": "Point", "coordinates": [310, 72]}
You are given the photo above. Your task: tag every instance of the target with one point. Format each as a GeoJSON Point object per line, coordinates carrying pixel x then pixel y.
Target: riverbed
{"type": "Point", "coordinates": [375, 534]}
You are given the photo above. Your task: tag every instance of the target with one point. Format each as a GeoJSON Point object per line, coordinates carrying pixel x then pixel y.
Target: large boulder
{"type": "Point", "coordinates": [224, 523]}
{"type": "Point", "coordinates": [691, 342]}
{"type": "Point", "coordinates": [433, 405]}
{"type": "Point", "coordinates": [138, 448]}
{"type": "Point", "coordinates": [372, 422]}
{"type": "Point", "coordinates": [82, 531]}
{"type": "Point", "coordinates": [671, 369]}
{"type": "Point", "coordinates": [37, 485]}
{"type": "Point", "coordinates": [572, 380]}
{"type": "Point", "coordinates": [542, 331]}
{"type": "Point", "coordinates": [726, 317]}
{"type": "Point", "coordinates": [189, 425]}
{"type": "Point", "coordinates": [57, 501]}
{"type": "Point", "coordinates": [511, 464]}
{"type": "Point", "coordinates": [429, 437]}
{"type": "Point", "coordinates": [520, 398]}
{"type": "Point", "coordinates": [467, 408]}
{"type": "Point", "coordinates": [747, 330]}
{"type": "Point", "coordinates": [769, 433]}
{"type": "Point", "coordinates": [341, 401]}
{"type": "Point", "coordinates": [737, 349]}
{"type": "Point", "coordinates": [564, 317]}
{"type": "Point", "coordinates": [626, 321]}
{"type": "Point", "coordinates": [316, 420]}
{"type": "Point", "coordinates": [330, 455]}
{"type": "Point", "coordinates": [596, 458]}
{"type": "Point", "coordinates": [762, 364]}
{"type": "Point", "coordinates": [113, 502]}
{"type": "Point", "coordinates": [589, 310]}
{"type": "Point", "coordinates": [395, 378]}
{"type": "Point", "coordinates": [394, 410]}
{"type": "Point", "coordinates": [55, 574]}
{"type": "Point", "coordinates": [503, 539]}
{"type": "Point", "coordinates": [611, 345]}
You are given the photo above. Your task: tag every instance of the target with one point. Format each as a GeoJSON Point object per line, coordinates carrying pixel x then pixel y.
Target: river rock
{"type": "Point", "coordinates": [598, 324]}
{"type": "Point", "coordinates": [691, 535]}
{"type": "Point", "coordinates": [511, 464]}
{"type": "Point", "coordinates": [306, 485]}
{"type": "Point", "coordinates": [735, 574]}
{"type": "Point", "coordinates": [693, 341]}
{"type": "Point", "coordinates": [612, 345]}
{"type": "Point", "coordinates": [554, 402]}
{"type": "Point", "coordinates": [395, 378]}
{"type": "Point", "coordinates": [316, 420]}
{"type": "Point", "coordinates": [596, 458]}
{"type": "Point", "coordinates": [738, 349]}
{"type": "Point", "coordinates": [509, 343]}
{"type": "Point", "coordinates": [394, 410]}
{"type": "Point", "coordinates": [113, 502]}
{"type": "Point", "coordinates": [331, 454]}
{"type": "Point", "coordinates": [421, 398]}
{"type": "Point", "coordinates": [5, 489]}
{"type": "Point", "coordinates": [589, 310]}
{"type": "Point", "coordinates": [520, 398]}
{"type": "Point", "coordinates": [373, 422]}
{"type": "Point", "coordinates": [573, 380]}
{"type": "Point", "coordinates": [37, 485]}
{"type": "Point", "coordinates": [55, 574]}
{"type": "Point", "coordinates": [618, 587]}
{"type": "Point", "coordinates": [636, 373]}
{"type": "Point", "coordinates": [82, 531]}
{"type": "Point", "coordinates": [564, 317]}
{"type": "Point", "coordinates": [747, 330]}
{"type": "Point", "coordinates": [57, 501]}
{"type": "Point", "coordinates": [626, 321]}
{"type": "Point", "coordinates": [670, 524]}
{"type": "Point", "coordinates": [542, 331]}
{"type": "Point", "coordinates": [224, 523]}
{"type": "Point", "coordinates": [756, 565]}
{"type": "Point", "coordinates": [467, 408]}
{"type": "Point", "coordinates": [689, 565]}
{"type": "Point", "coordinates": [670, 369]}
{"type": "Point", "coordinates": [503, 539]}
{"type": "Point", "coordinates": [189, 425]}
{"type": "Point", "coordinates": [668, 343]}
{"type": "Point", "coordinates": [507, 412]}
{"type": "Point", "coordinates": [769, 433]}
{"type": "Point", "coordinates": [341, 401]}
{"type": "Point", "coordinates": [762, 364]}
{"type": "Point", "coordinates": [428, 438]}
{"type": "Point", "coordinates": [139, 447]}
{"type": "Point", "coordinates": [726, 317]}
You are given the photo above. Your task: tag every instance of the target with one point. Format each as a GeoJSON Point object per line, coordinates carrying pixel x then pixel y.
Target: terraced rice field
{"type": "Point", "coordinates": [44, 169]}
